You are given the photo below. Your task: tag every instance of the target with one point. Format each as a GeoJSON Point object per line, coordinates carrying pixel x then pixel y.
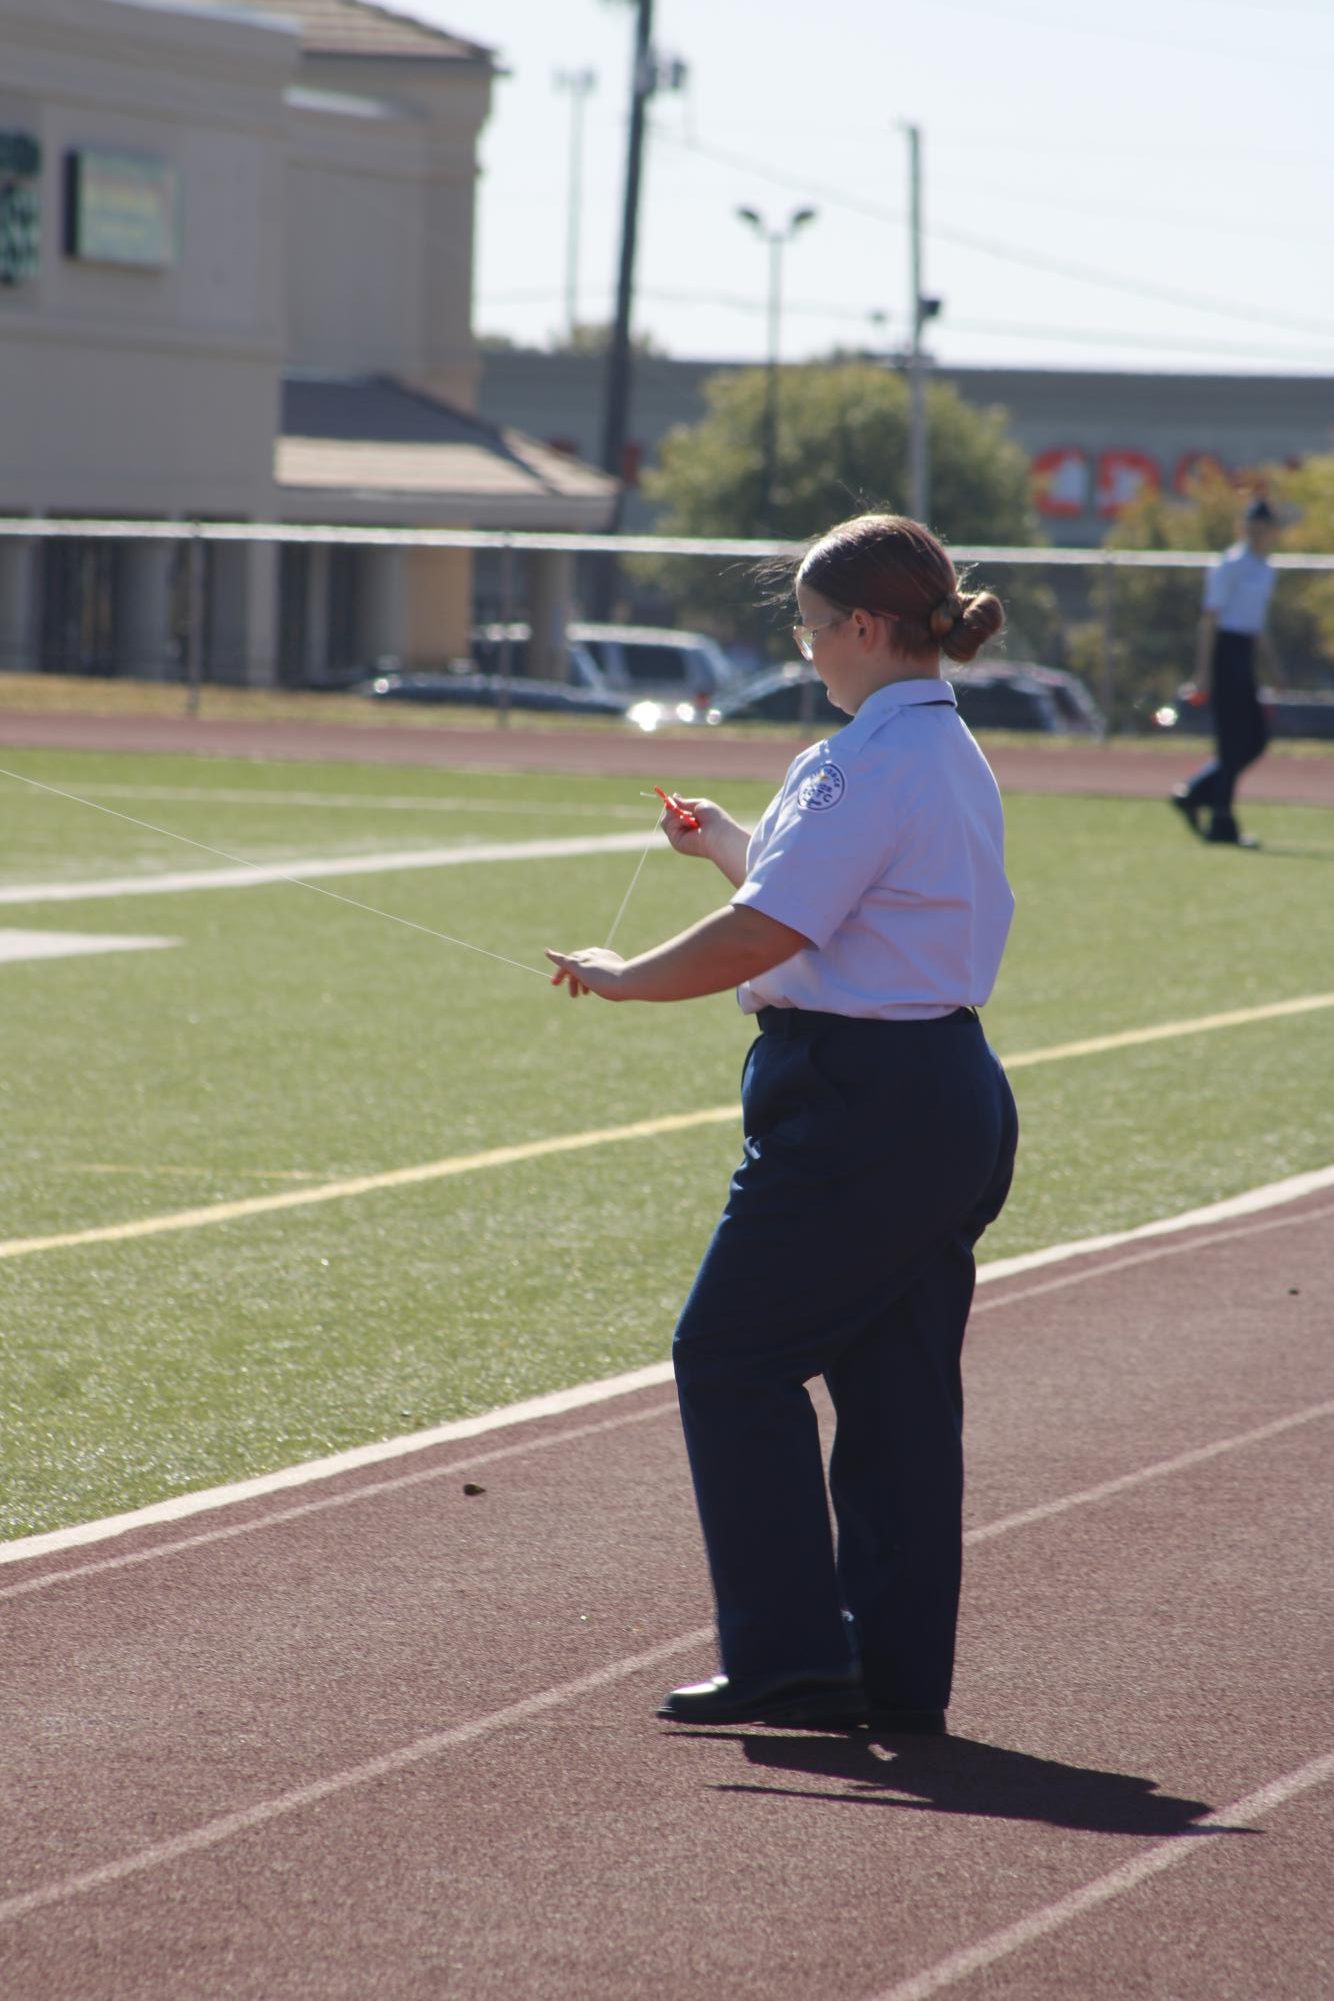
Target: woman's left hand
{"type": "Point", "coordinates": [592, 971]}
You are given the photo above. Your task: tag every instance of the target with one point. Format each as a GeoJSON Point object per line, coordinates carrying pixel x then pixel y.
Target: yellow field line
{"type": "Point", "coordinates": [1130, 1037]}
{"type": "Point", "coordinates": [673, 1122]}
{"type": "Point", "coordinates": [365, 1184]}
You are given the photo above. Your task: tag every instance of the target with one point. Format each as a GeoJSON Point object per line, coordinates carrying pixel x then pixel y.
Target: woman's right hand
{"type": "Point", "coordinates": [696, 841]}
{"type": "Point", "coordinates": [718, 838]}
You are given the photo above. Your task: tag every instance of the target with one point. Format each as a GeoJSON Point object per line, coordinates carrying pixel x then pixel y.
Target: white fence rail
{"type": "Point", "coordinates": [49, 527]}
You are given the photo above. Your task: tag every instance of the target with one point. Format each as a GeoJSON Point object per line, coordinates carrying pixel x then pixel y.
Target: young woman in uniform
{"type": "Point", "coordinates": [869, 916]}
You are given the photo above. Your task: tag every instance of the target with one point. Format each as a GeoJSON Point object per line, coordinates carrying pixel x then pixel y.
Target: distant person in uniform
{"type": "Point", "coordinates": [870, 912]}
{"type": "Point", "coordinates": [1237, 591]}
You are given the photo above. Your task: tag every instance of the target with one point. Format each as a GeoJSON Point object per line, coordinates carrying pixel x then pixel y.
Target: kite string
{"type": "Point", "coordinates": [297, 881]}
{"type": "Point", "coordinates": [639, 870]}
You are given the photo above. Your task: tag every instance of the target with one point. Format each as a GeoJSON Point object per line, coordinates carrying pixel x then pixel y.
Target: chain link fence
{"type": "Point", "coordinates": [324, 607]}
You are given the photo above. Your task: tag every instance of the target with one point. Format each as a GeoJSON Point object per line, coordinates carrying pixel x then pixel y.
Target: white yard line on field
{"type": "Point", "coordinates": [391, 802]}
{"type": "Point", "coordinates": [310, 867]}
{"type": "Point", "coordinates": [19, 947]}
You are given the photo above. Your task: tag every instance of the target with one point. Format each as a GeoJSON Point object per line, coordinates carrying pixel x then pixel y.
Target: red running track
{"type": "Point", "coordinates": [1117, 770]}
{"type": "Point", "coordinates": [379, 1737]}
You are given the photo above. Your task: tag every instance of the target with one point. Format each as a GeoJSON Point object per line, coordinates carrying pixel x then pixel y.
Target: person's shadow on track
{"type": "Point", "coordinates": [963, 1776]}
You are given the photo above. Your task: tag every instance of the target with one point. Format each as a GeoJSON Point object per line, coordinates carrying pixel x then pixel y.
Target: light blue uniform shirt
{"type": "Point", "coordinates": [1237, 590]}
{"type": "Point", "coordinates": [885, 848]}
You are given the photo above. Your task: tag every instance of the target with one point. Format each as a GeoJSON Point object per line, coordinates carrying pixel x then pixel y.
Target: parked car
{"type": "Point", "coordinates": [1079, 713]}
{"type": "Point", "coordinates": [1019, 695]}
{"type": "Point", "coordinates": [791, 693]}
{"type": "Point", "coordinates": [998, 695]}
{"type": "Point", "coordinates": [485, 691]}
{"type": "Point", "coordinates": [646, 662]}
{"type": "Point", "coordinates": [658, 663]}
{"type": "Point", "coordinates": [490, 656]}
{"type": "Point", "coordinates": [1290, 712]}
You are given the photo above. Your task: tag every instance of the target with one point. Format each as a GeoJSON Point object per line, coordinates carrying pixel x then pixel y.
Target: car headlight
{"type": "Point", "coordinates": [644, 715]}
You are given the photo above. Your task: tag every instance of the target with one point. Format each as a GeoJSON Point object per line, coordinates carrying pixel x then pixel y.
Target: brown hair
{"type": "Point", "coordinates": [888, 564]}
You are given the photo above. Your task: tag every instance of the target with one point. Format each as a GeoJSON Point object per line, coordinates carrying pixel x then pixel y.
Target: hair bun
{"type": "Point", "coordinates": [979, 619]}
{"type": "Point", "coordinates": [946, 615]}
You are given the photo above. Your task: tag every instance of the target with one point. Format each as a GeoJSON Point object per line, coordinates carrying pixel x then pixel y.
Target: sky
{"type": "Point", "coordinates": [1147, 185]}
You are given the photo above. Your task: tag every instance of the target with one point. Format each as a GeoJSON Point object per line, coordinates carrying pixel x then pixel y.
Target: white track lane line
{"type": "Point", "coordinates": [557, 1402]}
{"type": "Point", "coordinates": [351, 1497]}
{"type": "Point", "coordinates": [315, 867]}
{"type": "Point", "coordinates": [225, 1826]}
{"type": "Point", "coordinates": [1163, 1855]}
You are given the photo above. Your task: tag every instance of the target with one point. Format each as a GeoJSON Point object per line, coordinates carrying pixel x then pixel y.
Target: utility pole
{"type": "Point", "coordinates": [777, 240]}
{"type": "Point", "coordinates": [650, 73]}
{"type": "Point", "coordinates": [618, 357]}
{"type": "Point", "coordinates": [921, 309]}
{"type": "Point", "coordinates": [579, 83]}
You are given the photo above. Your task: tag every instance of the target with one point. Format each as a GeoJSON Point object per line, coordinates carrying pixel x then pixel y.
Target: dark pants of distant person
{"type": "Point", "coordinates": [875, 1155]}
{"type": "Point", "coordinates": [1240, 729]}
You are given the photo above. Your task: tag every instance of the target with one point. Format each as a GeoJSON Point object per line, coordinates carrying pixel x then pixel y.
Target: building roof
{"type": "Point", "coordinates": [373, 448]}
{"type": "Point", "coordinates": [358, 28]}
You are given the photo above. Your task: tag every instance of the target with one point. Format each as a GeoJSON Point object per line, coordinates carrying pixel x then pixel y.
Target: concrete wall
{"type": "Point", "coordinates": [381, 194]}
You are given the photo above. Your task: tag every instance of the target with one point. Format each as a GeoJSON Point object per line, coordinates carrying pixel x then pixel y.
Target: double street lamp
{"type": "Point", "coordinates": [777, 240]}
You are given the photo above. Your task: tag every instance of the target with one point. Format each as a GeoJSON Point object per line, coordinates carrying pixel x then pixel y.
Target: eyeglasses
{"type": "Point", "coordinates": [805, 634]}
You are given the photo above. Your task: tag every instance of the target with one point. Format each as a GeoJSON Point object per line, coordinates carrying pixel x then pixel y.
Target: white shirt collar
{"type": "Point", "coordinates": [881, 702]}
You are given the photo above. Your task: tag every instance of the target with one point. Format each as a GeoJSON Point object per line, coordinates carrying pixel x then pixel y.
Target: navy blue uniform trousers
{"type": "Point", "coordinates": [876, 1153]}
{"type": "Point", "coordinates": [1240, 729]}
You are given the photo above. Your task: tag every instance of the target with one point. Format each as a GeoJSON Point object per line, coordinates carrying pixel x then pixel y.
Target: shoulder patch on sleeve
{"type": "Point", "coordinates": [822, 790]}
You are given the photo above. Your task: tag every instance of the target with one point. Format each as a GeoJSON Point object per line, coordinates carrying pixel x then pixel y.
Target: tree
{"type": "Point", "coordinates": [842, 450]}
{"type": "Point", "coordinates": [1307, 491]}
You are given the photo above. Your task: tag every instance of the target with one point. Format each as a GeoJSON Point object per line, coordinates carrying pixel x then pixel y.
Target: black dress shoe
{"type": "Point", "coordinates": [796, 1701]}
{"type": "Point", "coordinates": [1187, 808]}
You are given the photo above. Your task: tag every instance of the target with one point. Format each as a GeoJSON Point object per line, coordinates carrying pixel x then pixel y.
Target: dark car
{"type": "Point", "coordinates": [793, 693]}
{"type": "Point", "coordinates": [1078, 712]}
{"type": "Point", "coordinates": [1004, 695]}
{"type": "Point", "coordinates": [485, 691]}
{"type": "Point", "coordinates": [997, 696]}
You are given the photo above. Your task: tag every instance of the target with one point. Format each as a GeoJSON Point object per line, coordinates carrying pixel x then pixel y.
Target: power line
{"type": "Point", "coordinates": [1007, 252]}
{"type": "Point", "coordinates": [861, 315]}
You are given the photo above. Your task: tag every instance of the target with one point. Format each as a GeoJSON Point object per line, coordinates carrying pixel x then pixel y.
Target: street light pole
{"type": "Point", "coordinates": [777, 240]}
{"type": "Point", "coordinates": [579, 83]}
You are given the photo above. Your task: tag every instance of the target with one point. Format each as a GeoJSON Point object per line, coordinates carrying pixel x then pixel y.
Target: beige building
{"type": "Point", "coordinates": [236, 283]}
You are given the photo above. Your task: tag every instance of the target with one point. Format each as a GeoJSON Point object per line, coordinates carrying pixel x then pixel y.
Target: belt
{"type": "Point", "coordinates": [798, 1021]}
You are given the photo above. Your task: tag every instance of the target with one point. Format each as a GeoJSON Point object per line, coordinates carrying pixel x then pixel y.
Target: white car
{"type": "Point", "coordinates": [679, 670]}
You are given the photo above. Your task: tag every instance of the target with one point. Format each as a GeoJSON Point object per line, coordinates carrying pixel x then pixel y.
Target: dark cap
{"type": "Point", "coordinates": [1260, 510]}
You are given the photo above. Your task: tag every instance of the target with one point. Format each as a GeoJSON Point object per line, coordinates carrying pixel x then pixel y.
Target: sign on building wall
{"type": "Point", "coordinates": [20, 207]}
{"type": "Point", "coordinates": [121, 208]}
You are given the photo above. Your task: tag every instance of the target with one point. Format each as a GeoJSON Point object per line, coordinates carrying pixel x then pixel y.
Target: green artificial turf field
{"type": "Point", "coordinates": [288, 1040]}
